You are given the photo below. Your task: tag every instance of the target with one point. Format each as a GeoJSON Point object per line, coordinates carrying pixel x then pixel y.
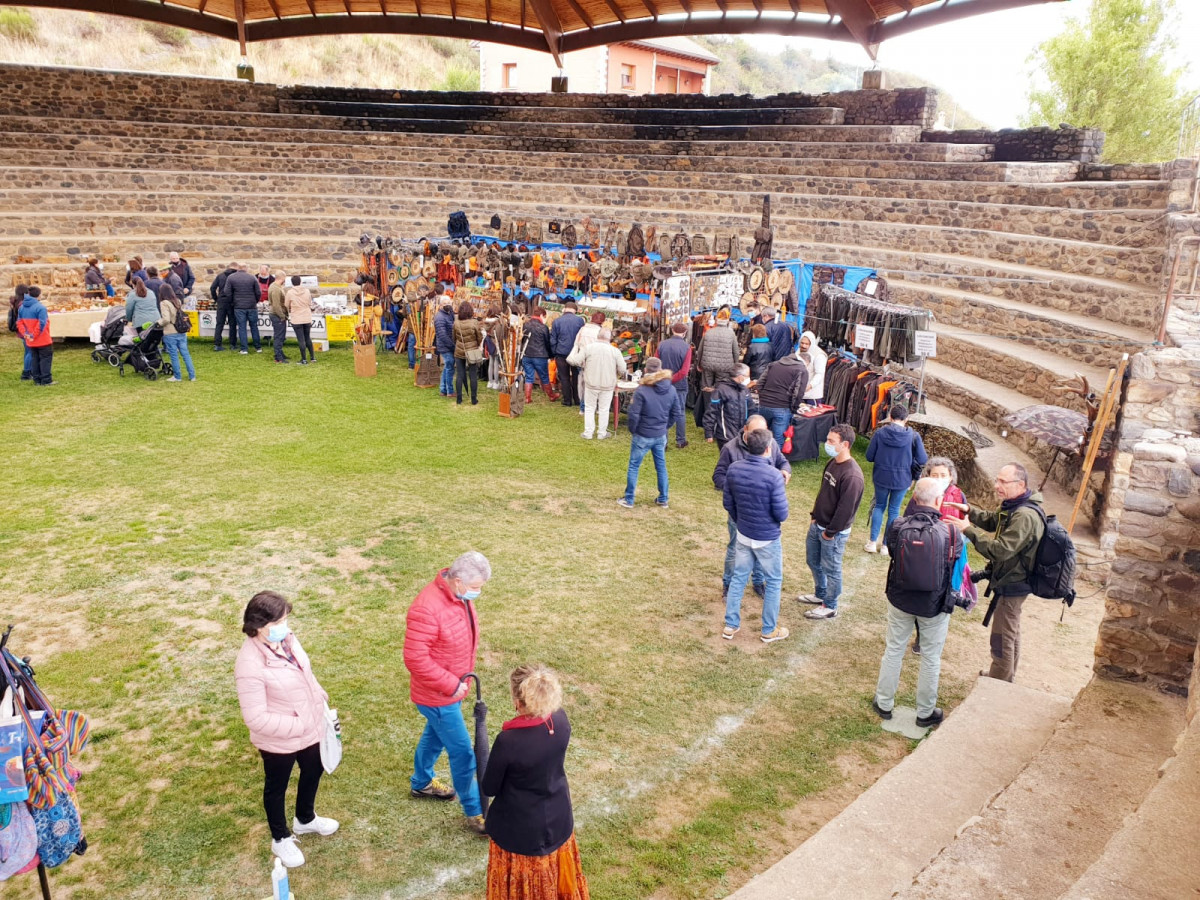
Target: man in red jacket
{"type": "Point", "coordinates": [440, 643]}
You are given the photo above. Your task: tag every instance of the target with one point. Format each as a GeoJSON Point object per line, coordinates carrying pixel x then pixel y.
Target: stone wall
{"type": "Point", "coordinates": [1030, 144]}
{"type": "Point", "coordinates": [88, 93]}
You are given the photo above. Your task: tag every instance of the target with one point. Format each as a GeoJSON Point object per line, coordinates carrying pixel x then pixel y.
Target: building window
{"type": "Point", "coordinates": [628, 77]}
{"type": "Point", "coordinates": [508, 76]}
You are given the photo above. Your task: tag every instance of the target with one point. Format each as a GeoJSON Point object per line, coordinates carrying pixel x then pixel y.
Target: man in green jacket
{"type": "Point", "coordinates": [1008, 538]}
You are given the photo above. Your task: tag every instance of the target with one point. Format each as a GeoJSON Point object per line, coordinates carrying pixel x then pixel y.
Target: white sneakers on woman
{"type": "Point", "coordinates": [288, 850]}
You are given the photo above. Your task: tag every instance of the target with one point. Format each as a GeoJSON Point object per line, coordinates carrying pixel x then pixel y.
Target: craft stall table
{"type": "Point", "coordinates": [809, 433]}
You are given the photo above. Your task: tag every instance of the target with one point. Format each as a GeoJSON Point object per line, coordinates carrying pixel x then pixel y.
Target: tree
{"type": "Point", "coordinates": [1110, 72]}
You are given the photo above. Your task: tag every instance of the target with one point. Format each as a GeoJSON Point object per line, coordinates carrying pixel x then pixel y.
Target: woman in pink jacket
{"type": "Point", "coordinates": [283, 705]}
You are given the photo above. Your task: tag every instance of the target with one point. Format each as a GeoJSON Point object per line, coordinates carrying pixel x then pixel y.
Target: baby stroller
{"type": "Point", "coordinates": [114, 344]}
{"type": "Point", "coordinates": [146, 356]}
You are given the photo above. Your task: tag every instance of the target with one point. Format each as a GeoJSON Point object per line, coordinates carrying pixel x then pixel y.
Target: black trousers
{"type": "Point", "coordinates": [304, 338]}
{"type": "Point", "coordinates": [277, 767]}
{"type": "Point", "coordinates": [464, 373]}
{"type": "Point", "coordinates": [278, 335]}
{"type": "Point", "coordinates": [40, 367]}
{"type": "Point", "coordinates": [568, 381]}
{"type": "Point", "coordinates": [225, 314]}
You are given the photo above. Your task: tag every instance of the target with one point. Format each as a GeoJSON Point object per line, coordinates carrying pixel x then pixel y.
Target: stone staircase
{"type": "Point", "coordinates": [1035, 270]}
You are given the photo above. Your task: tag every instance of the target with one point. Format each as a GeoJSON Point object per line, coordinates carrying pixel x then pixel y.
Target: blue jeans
{"type": "Point", "coordinates": [770, 559]}
{"type": "Point", "coordinates": [27, 371]}
{"type": "Point", "coordinates": [536, 368]}
{"type": "Point", "coordinates": [447, 385]}
{"type": "Point", "coordinates": [244, 317]}
{"type": "Point", "coordinates": [638, 449]}
{"type": "Point", "coordinates": [412, 351]}
{"type": "Point", "coordinates": [681, 417]}
{"type": "Point", "coordinates": [446, 730]}
{"type": "Point", "coordinates": [933, 638]}
{"type": "Point", "coordinates": [825, 563]}
{"type": "Point", "coordinates": [177, 346]}
{"type": "Point", "coordinates": [778, 421]}
{"type": "Point", "coordinates": [890, 500]}
{"type": "Point", "coordinates": [757, 576]}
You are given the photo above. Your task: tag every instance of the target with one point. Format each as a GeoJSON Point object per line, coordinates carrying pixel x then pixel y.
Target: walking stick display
{"type": "Point", "coordinates": [1106, 416]}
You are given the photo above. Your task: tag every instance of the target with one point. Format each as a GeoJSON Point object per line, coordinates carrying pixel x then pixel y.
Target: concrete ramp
{"type": "Point", "coordinates": [878, 844]}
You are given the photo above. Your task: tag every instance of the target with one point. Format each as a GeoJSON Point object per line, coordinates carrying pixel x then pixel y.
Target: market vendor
{"type": "Point", "coordinates": [93, 278]}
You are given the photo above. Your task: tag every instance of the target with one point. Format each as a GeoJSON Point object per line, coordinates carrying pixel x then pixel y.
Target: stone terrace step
{"type": "Point", "coordinates": [1068, 335]}
{"type": "Point", "coordinates": [432, 212]}
{"type": "Point", "coordinates": [333, 160]}
{"type": "Point", "coordinates": [1153, 857]}
{"type": "Point", "coordinates": [874, 847]}
{"type": "Point", "coordinates": [1138, 197]}
{"type": "Point", "coordinates": [1057, 816]}
{"type": "Point", "coordinates": [1127, 304]}
{"type": "Point", "coordinates": [111, 134]}
{"type": "Point", "coordinates": [1015, 364]}
{"type": "Point", "coordinates": [812, 115]}
{"type": "Point", "coordinates": [1110, 228]}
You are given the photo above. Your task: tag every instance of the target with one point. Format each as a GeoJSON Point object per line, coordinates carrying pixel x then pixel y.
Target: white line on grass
{"type": "Point", "coordinates": [703, 747]}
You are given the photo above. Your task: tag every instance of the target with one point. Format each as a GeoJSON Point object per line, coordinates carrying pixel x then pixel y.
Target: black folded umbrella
{"type": "Point", "coordinates": [482, 749]}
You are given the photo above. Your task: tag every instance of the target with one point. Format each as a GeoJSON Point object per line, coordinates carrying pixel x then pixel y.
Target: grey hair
{"type": "Point", "coordinates": [941, 461]}
{"type": "Point", "coordinates": [927, 492]}
{"type": "Point", "coordinates": [470, 566]}
{"type": "Point", "coordinates": [605, 334]}
{"type": "Point", "coordinates": [741, 370]}
{"type": "Point", "coordinates": [760, 423]}
{"type": "Point", "coordinates": [1020, 473]}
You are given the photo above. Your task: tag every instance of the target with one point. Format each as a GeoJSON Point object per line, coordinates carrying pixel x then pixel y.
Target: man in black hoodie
{"type": "Point", "coordinates": [780, 393]}
{"type": "Point", "coordinates": [216, 290]}
{"type": "Point", "coordinates": [243, 292]}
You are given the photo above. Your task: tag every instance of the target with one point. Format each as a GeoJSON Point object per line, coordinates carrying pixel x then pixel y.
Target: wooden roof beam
{"type": "Point", "coordinates": [453, 9]}
{"type": "Point", "coordinates": [274, 8]}
{"type": "Point", "coordinates": [552, 29]}
{"type": "Point", "coordinates": [616, 10]}
{"type": "Point", "coordinates": [487, 11]}
{"type": "Point", "coordinates": [950, 11]}
{"type": "Point", "coordinates": [649, 4]}
{"type": "Point", "coordinates": [859, 19]}
{"type": "Point", "coordinates": [640, 29]}
{"type": "Point", "coordinates": [583, 16]}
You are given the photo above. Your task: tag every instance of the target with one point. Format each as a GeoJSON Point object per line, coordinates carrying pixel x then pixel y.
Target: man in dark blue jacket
{"type": "Point", "coordinates": [676, 355]}
{"type": "Point", "coordinates": [654, 407]}
{"type": "Point", "coordinates": [243, 293]}
{"type": "Point", "coordinates": [183, 270]}
{"type": "Point", "coordinates": [728, 407]}
{"type": "Point", "coordinates": [443, 340]}
{"type": "Point", "coordinates": [779, 334]}
{"type": "Point", "coordinates": [732, 452]}
{"type": "Point", "coordinates": [562, 341]}
{"type": "Point", "coordinates": [757, 502]}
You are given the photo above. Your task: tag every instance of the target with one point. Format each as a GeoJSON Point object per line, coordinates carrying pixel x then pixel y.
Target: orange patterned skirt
{"type": "Point", "coordinates": [557, 876]}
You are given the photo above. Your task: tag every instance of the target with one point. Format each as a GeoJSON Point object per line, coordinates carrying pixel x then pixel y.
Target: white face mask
{"type": "Point", "coordinates": [942, 483]}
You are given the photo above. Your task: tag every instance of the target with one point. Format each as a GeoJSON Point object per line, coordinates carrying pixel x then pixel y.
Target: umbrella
{"type": "Point", "coordinates": [482, 750]}
{"type": "Point", "coordinates": [1063, 429]}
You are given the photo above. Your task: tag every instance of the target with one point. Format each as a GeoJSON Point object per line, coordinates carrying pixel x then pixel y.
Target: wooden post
{"type": "Point", "coordinates": [1112, 394]}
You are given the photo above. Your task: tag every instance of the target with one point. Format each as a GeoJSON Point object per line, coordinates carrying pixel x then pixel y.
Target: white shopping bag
{"type": "Point", "coordinates": [331, 741]}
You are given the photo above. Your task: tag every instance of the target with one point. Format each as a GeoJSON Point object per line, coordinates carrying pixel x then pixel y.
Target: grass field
{"type": "Point", "coordinates": [139, 517]}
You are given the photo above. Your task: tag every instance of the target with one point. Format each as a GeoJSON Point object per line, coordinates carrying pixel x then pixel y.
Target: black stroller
{"type": "Point", "coordinates": [114, 344]}
{"type": "Point", "coordinates": [146, 356]}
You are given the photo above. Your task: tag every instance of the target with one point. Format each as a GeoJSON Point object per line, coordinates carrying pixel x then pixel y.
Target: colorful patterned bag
{"type": "Point", "coordinates": [18, 839]}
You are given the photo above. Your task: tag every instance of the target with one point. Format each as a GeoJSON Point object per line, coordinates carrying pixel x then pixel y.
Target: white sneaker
{"type": "Point", "coordinates": [319, 825]}
{"type": "Point", "coordinates": [872, 547]}
{"type": "Point", "coordinates": [586, 436]}
{"type": "Point", "coordinates": [288, 852]}
{"type": "Point", "coordinates": [883, 549]}
{"type": "Point", "coordinates": [174, 379]}
{"type": "Point", "coordinates": [821, 612]}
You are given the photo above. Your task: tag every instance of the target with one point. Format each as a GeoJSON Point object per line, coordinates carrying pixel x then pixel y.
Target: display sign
{"type": "Point", "coordinates": [864, 337]}
{"type": "Point", "coordinates": [925, 343]}
{"type": "Point", "coordinates": [208, 325]}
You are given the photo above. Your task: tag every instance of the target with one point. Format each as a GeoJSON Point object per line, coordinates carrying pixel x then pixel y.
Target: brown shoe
{"type": "Point", "coordinates": [435, 790]}
{"type": "Point", "coordinates": [477, 825]}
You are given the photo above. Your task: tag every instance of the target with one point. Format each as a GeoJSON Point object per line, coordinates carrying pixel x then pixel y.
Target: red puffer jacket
{"type": "Point", "coordinates": [440, 643]}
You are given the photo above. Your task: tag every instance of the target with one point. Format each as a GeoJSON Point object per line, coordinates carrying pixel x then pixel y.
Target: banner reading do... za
{"type": "Point", "coordinates": [208, 325]}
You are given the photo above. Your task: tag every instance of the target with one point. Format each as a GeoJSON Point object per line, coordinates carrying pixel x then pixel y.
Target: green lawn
{"type": "Point", "coordinates": [139, 517]}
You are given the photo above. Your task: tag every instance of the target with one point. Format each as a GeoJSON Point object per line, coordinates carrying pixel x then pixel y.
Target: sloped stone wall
{"type": "Point", "coordinates": [1030, 144]}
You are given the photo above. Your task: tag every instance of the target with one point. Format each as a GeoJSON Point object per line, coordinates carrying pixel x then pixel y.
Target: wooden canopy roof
{"type": "Point", "coordinates": [556, 26]}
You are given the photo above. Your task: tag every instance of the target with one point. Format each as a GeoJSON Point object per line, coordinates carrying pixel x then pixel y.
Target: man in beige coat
{"type": "Point", "coordinates": [279, 316]}
{"type": "Point", "coordinates": [603, 365]}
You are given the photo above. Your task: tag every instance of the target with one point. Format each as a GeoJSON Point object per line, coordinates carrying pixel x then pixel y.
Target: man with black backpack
{"type": "Point", "coordinates": [1008, 539]}
{"type": "Point", "coordinates": [923, 550]}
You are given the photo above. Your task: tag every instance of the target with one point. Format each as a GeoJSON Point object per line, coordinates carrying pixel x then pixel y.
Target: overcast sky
{"type": "Point", "coordinates": [982, 60]}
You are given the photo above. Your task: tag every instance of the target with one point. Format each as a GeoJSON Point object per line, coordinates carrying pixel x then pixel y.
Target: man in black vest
{"type": "Point", "coordinates": [918, 592]}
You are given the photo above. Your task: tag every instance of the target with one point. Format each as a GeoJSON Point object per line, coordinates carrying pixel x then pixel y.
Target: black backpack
{"type": "Point", "coordinates": [1053, 575]}
{"type": "Point", "coordinates": [182, 323]}
{"type": "Point", "coordinates": [458, 226]}
{"type": "Point", "coordinates": [923, 560]}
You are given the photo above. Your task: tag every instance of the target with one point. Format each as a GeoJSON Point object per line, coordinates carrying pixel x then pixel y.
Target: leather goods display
{"type": "Point", "coordinates": [699, 245]}
{"type": "Point", "coordinates": [755, 282]}
{"type": "Point", "coordinates": [681, 246]}
{"type": "Point", "coordinates": [635, 244]}
{"type": "Point", "coordinates": [569, 239]}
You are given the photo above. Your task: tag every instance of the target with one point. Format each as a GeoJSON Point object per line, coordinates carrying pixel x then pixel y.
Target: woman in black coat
{"type": "Point", "coordinates": [533, 854]}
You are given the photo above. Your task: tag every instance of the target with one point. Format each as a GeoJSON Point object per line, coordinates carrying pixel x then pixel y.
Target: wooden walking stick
{"type": "Point", "coordinates": [1112, 396]}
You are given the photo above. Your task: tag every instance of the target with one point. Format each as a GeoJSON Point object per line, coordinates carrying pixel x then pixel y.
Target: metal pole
{"type": "Point", "coordinates": [921, 385]}
{"type": "Point", "coordinates": [45, 882]}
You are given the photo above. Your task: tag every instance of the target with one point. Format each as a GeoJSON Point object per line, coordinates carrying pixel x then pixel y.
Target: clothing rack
{"type": "Point", "coordinates": [834, 313]}
{"type": "Point", "coordinates": [43, 878]}
{"type": "Point", "coordinates": [862, 393]}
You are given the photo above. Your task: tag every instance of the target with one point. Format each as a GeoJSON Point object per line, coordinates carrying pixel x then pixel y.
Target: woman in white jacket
{"type": "Point", "coordinates": [601, 366]}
